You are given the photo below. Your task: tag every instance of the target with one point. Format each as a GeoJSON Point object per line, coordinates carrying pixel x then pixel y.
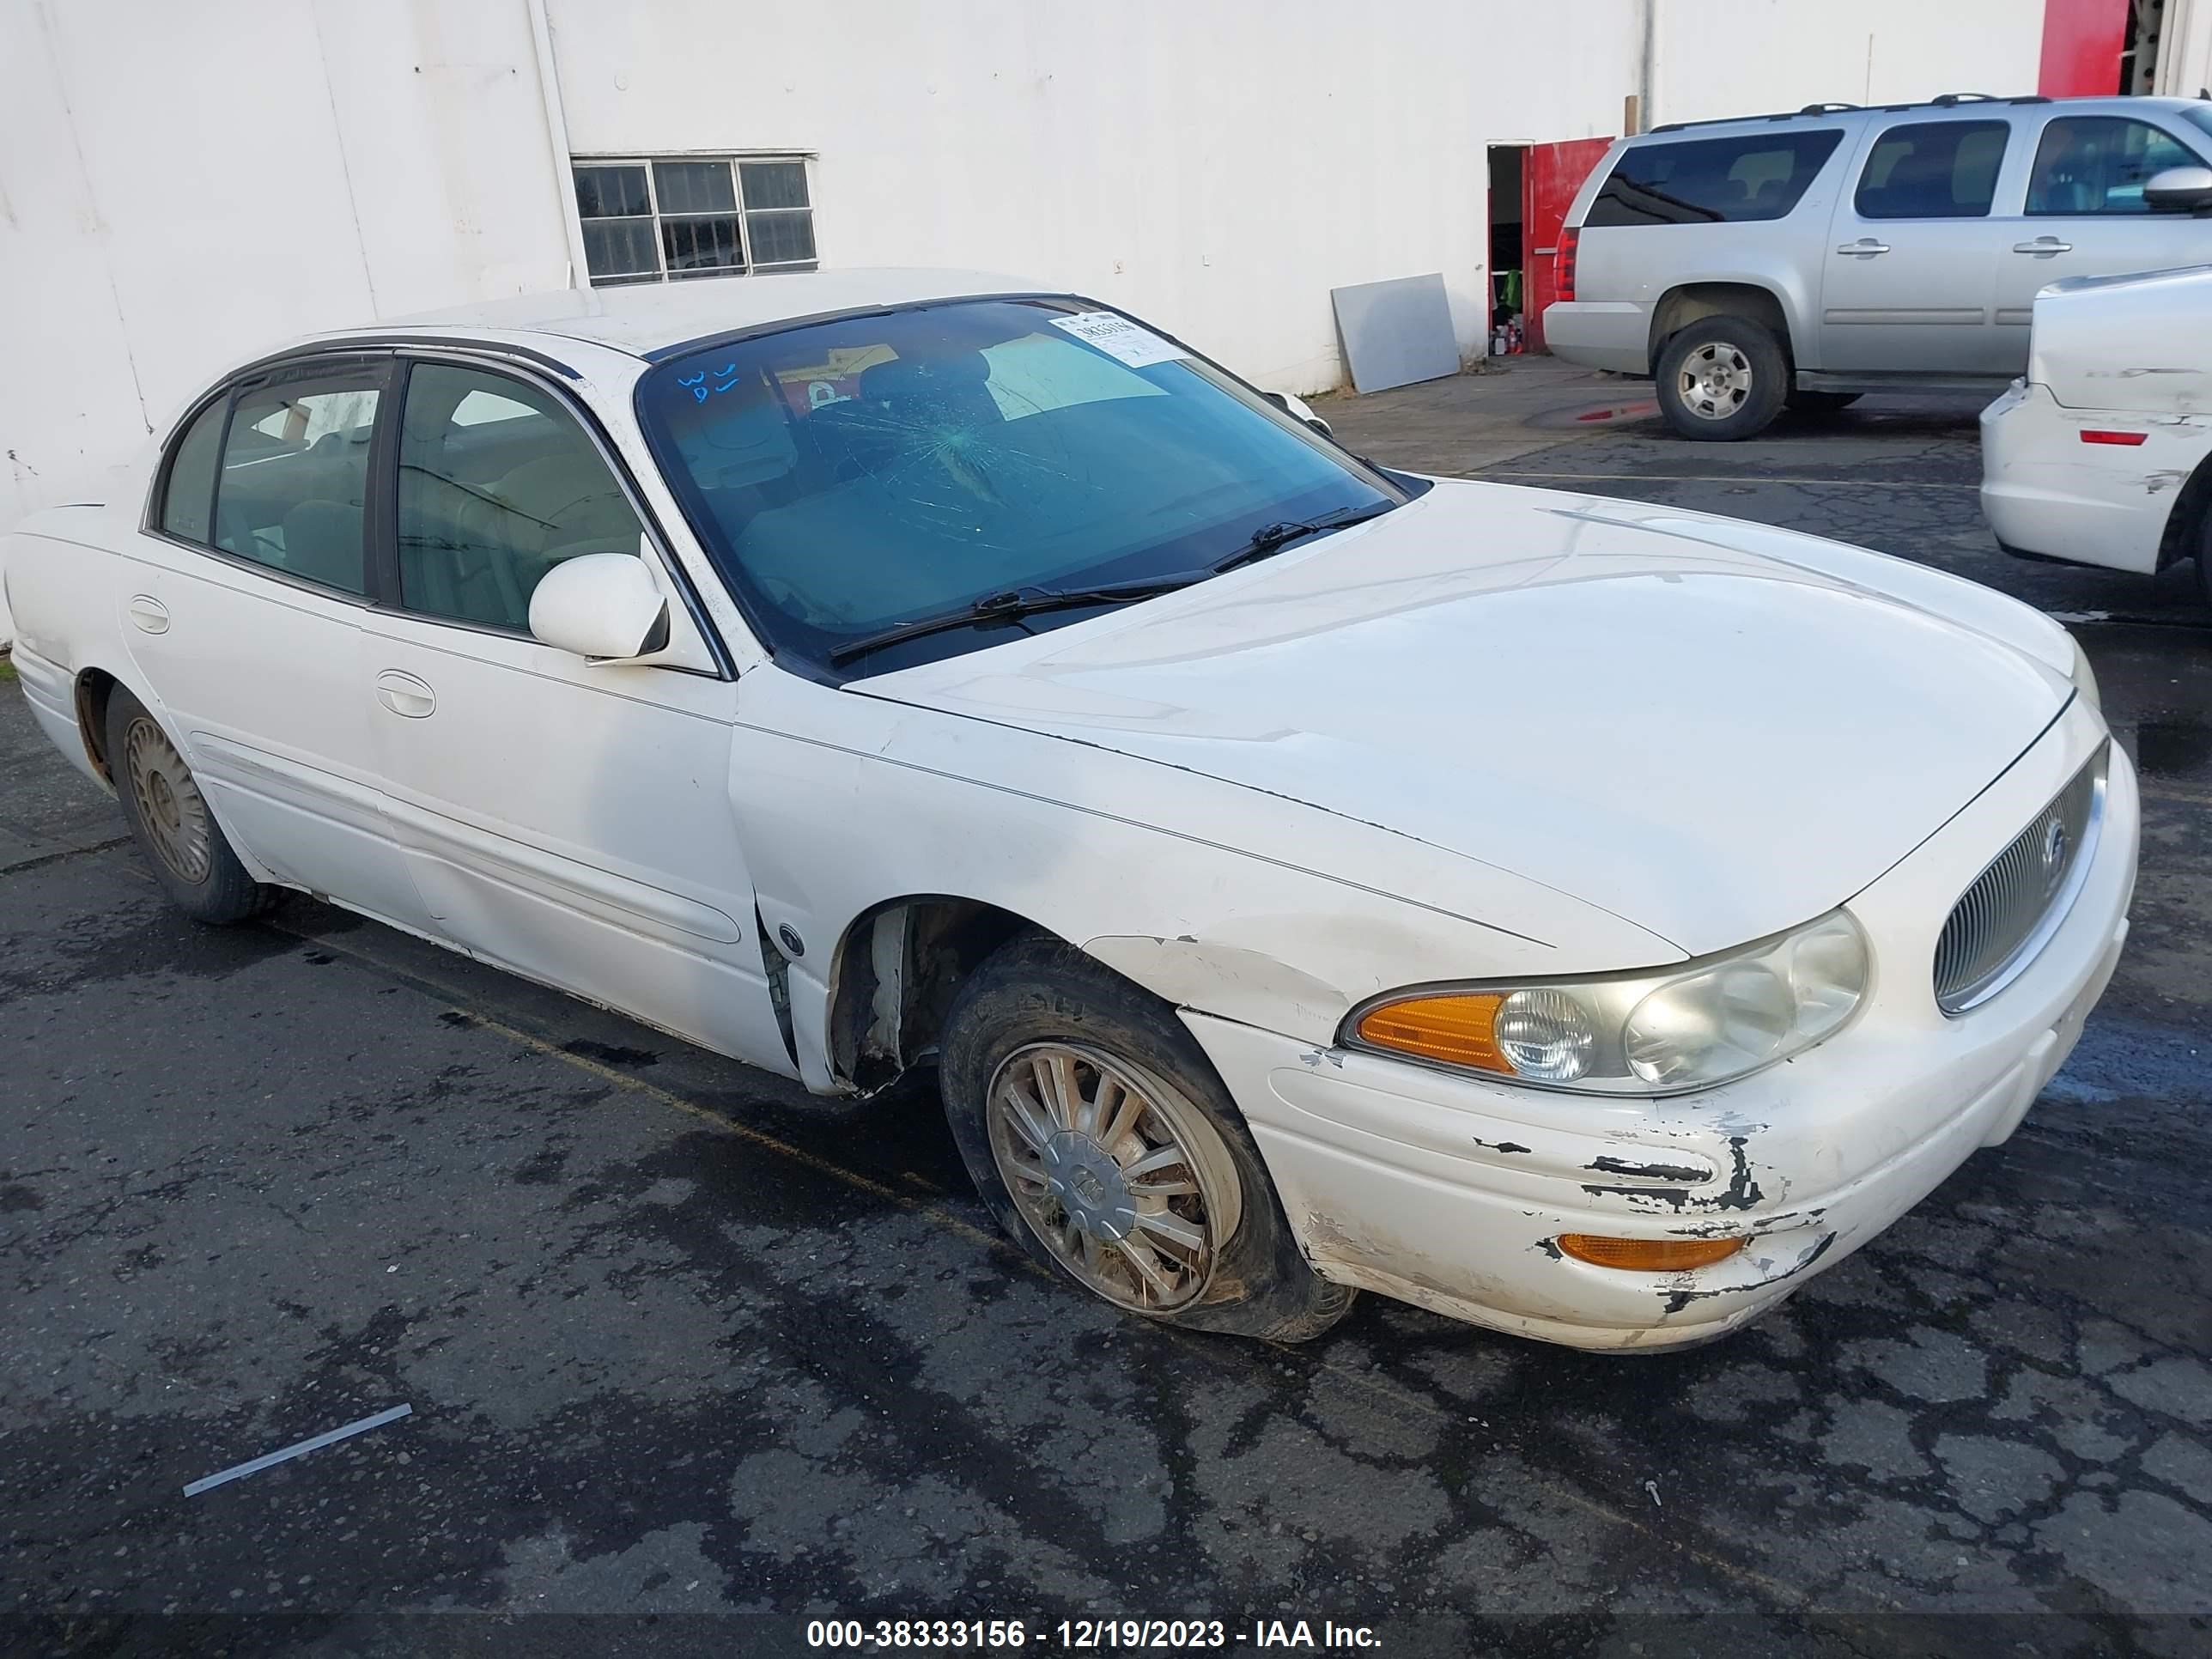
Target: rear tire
{"type": "Point", "coordinates": [1100, 1136]}
{"type": "Point", "coordinates": [1820, 402]}
{"type": "Point", "coordinates": [175, 828]}
{"type": "Point", "coordinates": [1722, 379]}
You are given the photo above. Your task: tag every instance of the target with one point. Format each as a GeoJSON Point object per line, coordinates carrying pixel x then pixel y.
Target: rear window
{"type": "Point", "coordinates": [1702, 181]}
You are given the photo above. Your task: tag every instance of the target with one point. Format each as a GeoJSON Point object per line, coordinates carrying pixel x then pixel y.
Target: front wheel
{"type": "Point", "coordinates": [1722, 379]}
{"type": "Point", "coordinates": [169, 815]}
{"type": "Point", "coordinates": [1100, 1136]}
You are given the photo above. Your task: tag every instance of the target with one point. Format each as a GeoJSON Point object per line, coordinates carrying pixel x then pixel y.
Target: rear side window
{"type": "Point", "coordinates": [1932, 170]}
{"type": "Point", "coordinates": [2099, 164]}
{"type": "Point", "coordinates": [295, 476]}
{"type": "Point", "coordinates": [188, 492]}
{"type": "Point", "coordinates": [1700, 181]}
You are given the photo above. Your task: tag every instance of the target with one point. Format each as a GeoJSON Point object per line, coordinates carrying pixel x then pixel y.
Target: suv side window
{"type": "Point", "coordinates": [1700, 181]}
{"type": "Point", "coordinates": [2099, 163]}
{"type": "Point", "coordinates": [295, 476]}
{"type": "Point", "coordinates": [188, 486]}
{"type": "Point", "coordinates": [1933, 170]}
{"type": "Point", "coordinates": [497, 485]}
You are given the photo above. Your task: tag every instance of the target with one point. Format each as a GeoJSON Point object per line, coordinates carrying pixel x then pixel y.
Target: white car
{"type": "Point", "coordinates": [1582, 918]}
{"type": "Point", "coordinates": [2099, 456]}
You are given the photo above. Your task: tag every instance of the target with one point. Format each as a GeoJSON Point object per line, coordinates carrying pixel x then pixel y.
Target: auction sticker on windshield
{"type": "Point", "coordinates": [1117, 336]}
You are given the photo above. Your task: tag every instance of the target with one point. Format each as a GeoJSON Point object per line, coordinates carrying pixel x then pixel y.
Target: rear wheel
{"type": "Point", "coordinates": [1100, 1136]}
{"type": "Point", "coordinates": [1722, 379]}
{"type": "Point", "coordinates": [163, 802]}
{"type": "Point", "coordinates": [1820, 402]}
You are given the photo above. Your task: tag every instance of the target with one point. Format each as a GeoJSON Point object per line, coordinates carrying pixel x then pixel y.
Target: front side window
{"type": "Point", "coordinates": [2095, 164]}
{"type": "Point", "coordinates": [1712, 180]}
{"type": "Point", "coordinates": [497, 485]}
{"type": "Point", "coordinates": [854, 476]}
{"type": "Point", "coordinates": [1933, 170]}
{"type": "Point", "coordinates": [654, 220]}
{"type": "Point", "coordinates": [188, 491]}
{"type": "Point", "coordinates": [294, 477]}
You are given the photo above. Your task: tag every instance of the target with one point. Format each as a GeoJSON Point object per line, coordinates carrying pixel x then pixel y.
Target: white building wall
{"type": "Point", "coordinates": [182, 185]}
{"type": "Point", "coordinates": [1218, 165]}
{"type": "Point", "coordinates": [1721, 57]}
{"type": "Point", "coordinates": [2185, 50]}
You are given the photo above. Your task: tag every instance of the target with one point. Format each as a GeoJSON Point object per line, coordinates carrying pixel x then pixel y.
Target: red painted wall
{"type": "Point", "coordinates": [1550, 176]}
{"type": "Point", "coordinates": [2081, 42]}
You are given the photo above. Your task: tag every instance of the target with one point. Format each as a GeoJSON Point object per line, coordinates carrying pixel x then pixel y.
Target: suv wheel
{"type": "Point", "coordinates": [1722, 379]}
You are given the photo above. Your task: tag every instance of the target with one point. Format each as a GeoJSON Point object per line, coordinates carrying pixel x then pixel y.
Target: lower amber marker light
{"type": "Point", "coordinates": [1651, 1256]}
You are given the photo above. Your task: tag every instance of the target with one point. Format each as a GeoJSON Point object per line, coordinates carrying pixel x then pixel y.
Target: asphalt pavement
{"type": "Point", "coordinates": [694, 1359]}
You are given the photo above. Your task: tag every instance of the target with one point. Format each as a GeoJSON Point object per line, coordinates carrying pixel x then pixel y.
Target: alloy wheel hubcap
{"type": "Point", "coordinates": [1715, 381]}
{"type": "Point", "coordinates": [1109, 1169]}
{"type": "Point", "coordinates": [169, 802]}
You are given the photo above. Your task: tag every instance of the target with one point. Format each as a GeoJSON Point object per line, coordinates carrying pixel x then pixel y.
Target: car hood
{"type": "Point", "coordinates": [1711, 729]}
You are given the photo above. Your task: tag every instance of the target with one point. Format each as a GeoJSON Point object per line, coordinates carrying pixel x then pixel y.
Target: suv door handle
{"type": "Point", "coordinates": [404, 694]}
{"type": "Point", "coordinates": [1865, 248]}
{"type": "Point", "coordinates": [2045, 245]}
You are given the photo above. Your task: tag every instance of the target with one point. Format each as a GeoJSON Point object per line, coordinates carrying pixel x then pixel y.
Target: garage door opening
{"type": "Point", "coordinates": [1506, 326]}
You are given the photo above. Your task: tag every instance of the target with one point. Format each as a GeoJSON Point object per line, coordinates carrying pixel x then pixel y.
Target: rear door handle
{"type": "Point", "coordinates": [1865, 248]}
{"type": "Point", "coordinates": [2045, 245]}
{"type": "Point", "coordinates": [150, 614]}
{"type": "Point", "coordinates": [404, 694]}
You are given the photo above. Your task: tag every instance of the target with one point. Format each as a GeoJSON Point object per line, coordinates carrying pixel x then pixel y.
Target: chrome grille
{"type": "Point", "coordinates": [2016, 904]}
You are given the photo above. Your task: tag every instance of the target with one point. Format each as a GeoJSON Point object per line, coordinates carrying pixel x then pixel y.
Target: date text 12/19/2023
{"type": "Point", "coordinates": [1084, 1635]}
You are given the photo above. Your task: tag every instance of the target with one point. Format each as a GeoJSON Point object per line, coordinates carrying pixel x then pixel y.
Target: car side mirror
{"type": "Point", "coordinates": [2179, 189]}
{"type": "Point", "coordinates": [604, 606]}
{"type": "Point", "coordinates": [1292, 405]}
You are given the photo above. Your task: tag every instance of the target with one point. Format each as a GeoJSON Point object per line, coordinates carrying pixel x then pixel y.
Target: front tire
{"type": "Point", "coordinates": [1722, 379]}
{"type": "Point", "coordinates": [169, 815]}
{"type": "Point", "coordinates": [1099, 1135]}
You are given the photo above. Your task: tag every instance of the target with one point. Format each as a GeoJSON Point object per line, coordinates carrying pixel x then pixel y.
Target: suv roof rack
{"type": "Point", "coordinates": [1947, 100]}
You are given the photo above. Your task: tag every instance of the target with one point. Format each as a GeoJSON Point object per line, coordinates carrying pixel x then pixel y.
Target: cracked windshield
{"type": "Point", "coordinates": [857, 476]}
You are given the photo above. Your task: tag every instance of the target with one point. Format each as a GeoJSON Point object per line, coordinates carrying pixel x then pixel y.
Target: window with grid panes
{"type": "Point", "coordinates": [655, 219]}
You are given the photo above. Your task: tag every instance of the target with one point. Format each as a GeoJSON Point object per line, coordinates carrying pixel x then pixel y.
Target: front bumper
{"type": "Point", "coordinates": [1447, 1191]}
{"type": "Point", "coordinates": [2047, 493]}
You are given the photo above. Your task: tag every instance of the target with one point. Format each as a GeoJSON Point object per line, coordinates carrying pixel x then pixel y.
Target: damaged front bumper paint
{"type": "Point", "coordinates": [1448, 1190]}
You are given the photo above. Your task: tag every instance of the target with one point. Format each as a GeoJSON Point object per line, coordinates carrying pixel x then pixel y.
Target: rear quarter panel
{"type": "Point", "coordinates": [65, 585]}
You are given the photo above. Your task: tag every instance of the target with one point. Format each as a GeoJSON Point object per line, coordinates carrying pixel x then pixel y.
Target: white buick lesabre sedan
{"type": "Point", "coordinates": [1582, 918]}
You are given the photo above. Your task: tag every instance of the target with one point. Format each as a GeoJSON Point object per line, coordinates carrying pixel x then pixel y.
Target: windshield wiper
{"type": "Point", "coordinates": [1010, 606]}
{"type": "Point", "coordinates": [1273, 537]}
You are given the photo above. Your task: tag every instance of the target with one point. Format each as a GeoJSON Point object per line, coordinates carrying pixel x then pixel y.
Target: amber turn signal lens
{"type": "Point", "coordinates": [1649, 1255]}
{"type": "Point", "coordinates": [1458, 1030]}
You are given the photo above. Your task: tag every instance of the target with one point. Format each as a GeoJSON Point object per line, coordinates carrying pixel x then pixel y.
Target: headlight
{"type": "Point", "coordinates": [2085, 678]}
{"type": "Point", "coordinates": [1663, 1031]}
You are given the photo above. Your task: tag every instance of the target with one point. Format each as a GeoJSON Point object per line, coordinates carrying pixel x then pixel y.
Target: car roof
{"type": "Point", "coordinates": [1951, 103]}
{"type": "Point", "coordinates": [645, 318]}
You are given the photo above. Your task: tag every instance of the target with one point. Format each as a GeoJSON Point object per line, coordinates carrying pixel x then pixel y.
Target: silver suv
{"type": "Point", "coordinates": [1807, 259]}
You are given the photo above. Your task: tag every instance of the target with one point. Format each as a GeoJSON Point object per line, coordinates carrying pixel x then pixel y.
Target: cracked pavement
{"type": "Point", "coordinates": [694, 1358]}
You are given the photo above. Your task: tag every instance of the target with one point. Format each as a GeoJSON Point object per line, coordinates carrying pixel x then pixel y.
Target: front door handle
{"type": "Point", "coordinates": [1865, 248]}
{"type": "Point", "coordinates": [2043, 246]}
{"type": "Point", "coordinates": [404, 694]}
{"type": "Point", "coordinates": [149, 614]}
